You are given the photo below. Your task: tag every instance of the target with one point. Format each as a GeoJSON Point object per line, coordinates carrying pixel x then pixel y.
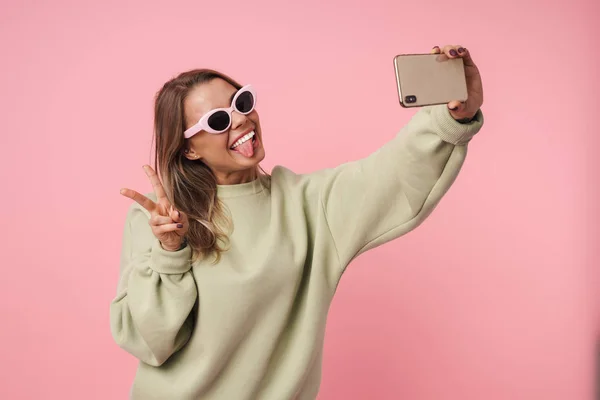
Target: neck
{"type": "Point", "coordinates": [236, 177]}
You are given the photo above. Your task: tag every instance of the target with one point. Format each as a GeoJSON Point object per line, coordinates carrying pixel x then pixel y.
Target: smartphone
{"type": "Point", "coordinates": [429, 79]}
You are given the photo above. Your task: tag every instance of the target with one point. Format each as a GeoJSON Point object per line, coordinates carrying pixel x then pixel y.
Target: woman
{"type": "Point", "coordinates": [227, 273]}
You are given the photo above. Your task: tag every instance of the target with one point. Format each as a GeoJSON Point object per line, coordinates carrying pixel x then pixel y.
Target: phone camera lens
{"type": "Point", "coordinates": [411, 99]}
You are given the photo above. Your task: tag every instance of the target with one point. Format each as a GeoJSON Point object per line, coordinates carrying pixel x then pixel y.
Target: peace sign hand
{"type": "Point", "coordinates": [168, 224]}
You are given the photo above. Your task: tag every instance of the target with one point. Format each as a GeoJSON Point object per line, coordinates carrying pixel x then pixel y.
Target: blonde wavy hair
{"type": "Point", "coordinates": [190, 185]}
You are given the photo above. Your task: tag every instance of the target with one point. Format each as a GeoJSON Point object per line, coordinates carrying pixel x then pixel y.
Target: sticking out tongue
{"type": "Point", "coordinates": [246, 149]}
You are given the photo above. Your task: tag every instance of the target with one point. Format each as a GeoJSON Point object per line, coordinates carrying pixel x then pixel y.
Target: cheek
{"type": "Point", "coordinates": [207, 143]}
{"type": "Point", "coordinates": [253, 116]}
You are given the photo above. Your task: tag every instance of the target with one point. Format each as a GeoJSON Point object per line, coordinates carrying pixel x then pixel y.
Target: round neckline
{"type": "Point", "coordinates": [241, 189]}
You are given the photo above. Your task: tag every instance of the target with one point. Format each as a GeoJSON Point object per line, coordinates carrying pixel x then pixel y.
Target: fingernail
{"type": "Point", "coordinates": [453, 53]}
{"type": "Point", "coordinates": [461, 50]}
{"type": "Point", "coordinates": [180, 226]}
{"type": "Point", "coordinates": [453, 108]}
{"type": "Point", "coordinates": [436, 47]}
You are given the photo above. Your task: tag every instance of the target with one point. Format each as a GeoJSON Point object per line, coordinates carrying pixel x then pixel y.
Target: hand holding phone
{"type": "Point", "coordinates": [429, 79]}
{"type": "Point", "coordinates": [441, 82]}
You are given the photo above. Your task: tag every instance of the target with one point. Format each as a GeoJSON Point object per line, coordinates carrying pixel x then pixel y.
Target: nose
{"type": "Point", "coordinates": [237, 120]}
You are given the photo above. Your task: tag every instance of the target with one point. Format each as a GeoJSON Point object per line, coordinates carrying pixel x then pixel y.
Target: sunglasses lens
{"type": "Point", "coordinates": [219, 121]}
{"type": "Point", "coordinates": [244, 102]}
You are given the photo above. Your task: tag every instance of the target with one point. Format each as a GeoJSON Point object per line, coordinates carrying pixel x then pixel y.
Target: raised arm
{"type": "Point", "coordinates": [374, 200]}
{"type": "Point", "coordinates": [151, 316]}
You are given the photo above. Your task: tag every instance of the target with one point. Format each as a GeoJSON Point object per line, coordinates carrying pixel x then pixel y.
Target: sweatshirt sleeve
{"type": "Point", "coordinates": [151, 316]}
{"type": "Point", "coordinates": [376, 199]}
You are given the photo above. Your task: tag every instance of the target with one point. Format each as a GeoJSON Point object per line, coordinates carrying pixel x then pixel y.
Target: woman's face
{"type": "Point", "coordinates": [230, 164]}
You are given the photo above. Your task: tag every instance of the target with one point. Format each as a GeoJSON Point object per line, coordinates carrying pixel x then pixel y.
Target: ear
{"type": "Point", "coordinates": [190, 154]}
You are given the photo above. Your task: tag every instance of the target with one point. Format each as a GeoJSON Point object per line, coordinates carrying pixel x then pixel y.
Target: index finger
{"type": "Point", "coordinates": [161, 196]}
{"type": "Point", "coordinates": [459, 51]}
{"type": "Point", "coordinates": [140, 199]}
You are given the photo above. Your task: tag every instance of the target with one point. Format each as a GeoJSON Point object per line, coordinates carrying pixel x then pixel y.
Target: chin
{"type": "Point", "coordinates": [260, 156]}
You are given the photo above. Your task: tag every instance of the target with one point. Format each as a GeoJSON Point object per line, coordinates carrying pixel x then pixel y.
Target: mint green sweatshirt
{"type": "Point", "coordinates": [252, 326]}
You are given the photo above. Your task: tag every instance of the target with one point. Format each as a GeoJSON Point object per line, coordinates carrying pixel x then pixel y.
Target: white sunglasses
{"type": "Point", "coordinates": [219, 120]}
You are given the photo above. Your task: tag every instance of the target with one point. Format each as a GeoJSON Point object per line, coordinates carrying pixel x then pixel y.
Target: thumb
{"type": "Point", "coordinates": [177, 216]}
{"type": "Point", "coordinates": [458, 109]}
{"type": "Point", "coordinates": [456, 106]}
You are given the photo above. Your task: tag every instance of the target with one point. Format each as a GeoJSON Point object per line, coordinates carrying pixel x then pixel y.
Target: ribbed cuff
{"type": "Point", "coordinates": [452, 131]}
{"type": "Point", "coordinates": [170, 262]}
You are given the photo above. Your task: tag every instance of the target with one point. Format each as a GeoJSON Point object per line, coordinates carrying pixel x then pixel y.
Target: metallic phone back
{"type": "Point", "coordinates": [431, 78]}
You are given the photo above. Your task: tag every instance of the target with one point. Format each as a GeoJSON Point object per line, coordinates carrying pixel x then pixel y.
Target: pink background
{"type": "Point", "coordinates": [494, 297]}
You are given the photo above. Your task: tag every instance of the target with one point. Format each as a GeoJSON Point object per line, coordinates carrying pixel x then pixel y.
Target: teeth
{"type": "Point", "coordinates": [243, 139]}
